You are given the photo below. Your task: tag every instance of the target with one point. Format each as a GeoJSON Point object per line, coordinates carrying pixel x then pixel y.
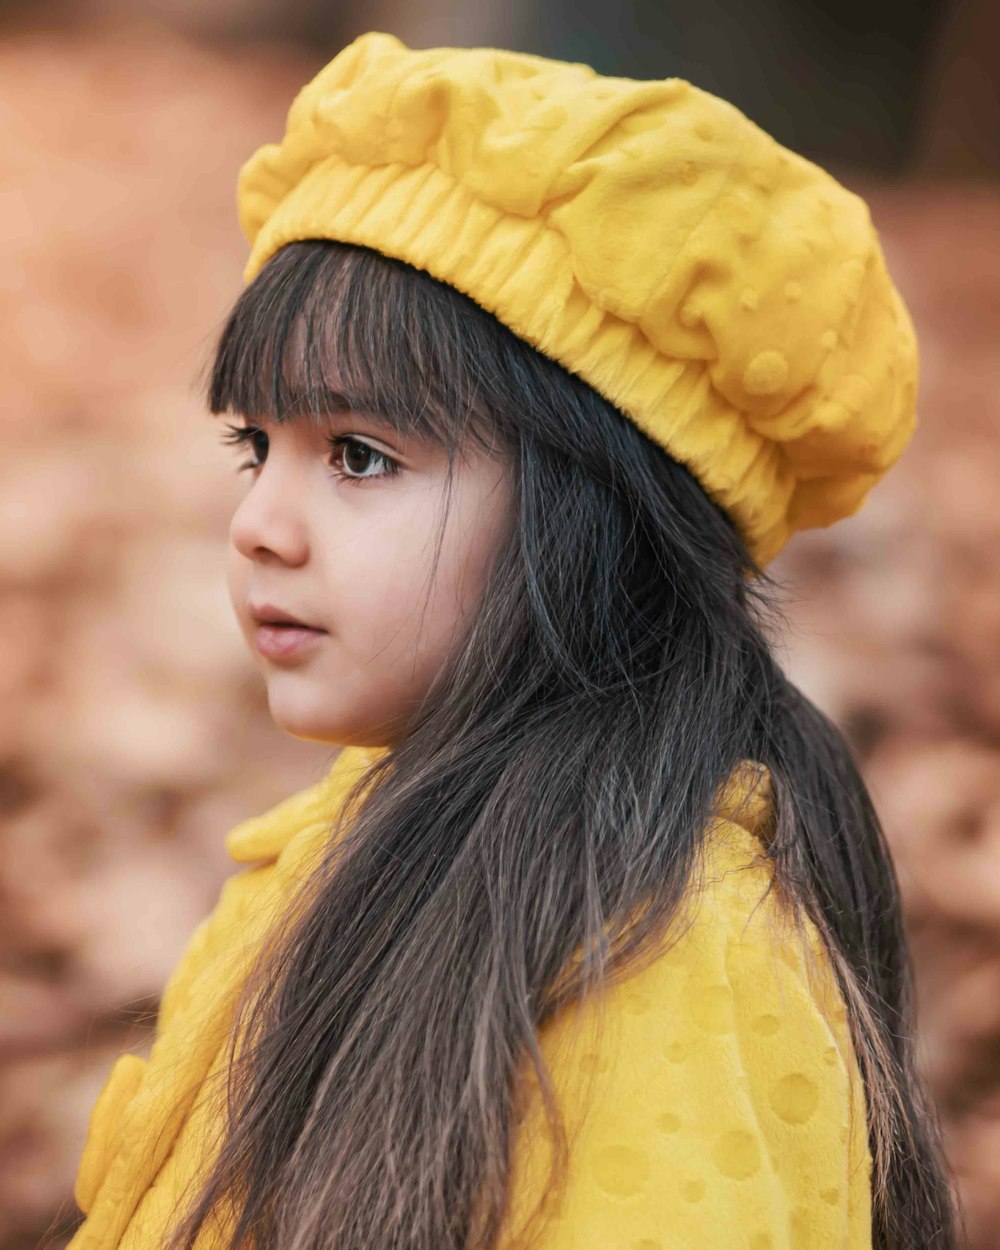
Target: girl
{"type": "Point", "coordinates": [590, 937]}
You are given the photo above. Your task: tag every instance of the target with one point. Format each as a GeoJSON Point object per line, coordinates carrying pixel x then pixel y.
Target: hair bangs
{"type": "Point", "coordinates": [329, 327]}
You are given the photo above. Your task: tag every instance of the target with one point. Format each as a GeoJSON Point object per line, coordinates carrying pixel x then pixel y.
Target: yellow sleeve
{"type": "Point", "coordinates": [727, 1110]}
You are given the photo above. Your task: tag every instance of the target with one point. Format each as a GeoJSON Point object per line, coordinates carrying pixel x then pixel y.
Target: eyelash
{"type": "Point", "coordinates": [239, 434]}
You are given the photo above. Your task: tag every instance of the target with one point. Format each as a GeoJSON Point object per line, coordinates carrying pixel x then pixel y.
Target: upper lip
{"type": "Point", "coordinates": [268, 614]}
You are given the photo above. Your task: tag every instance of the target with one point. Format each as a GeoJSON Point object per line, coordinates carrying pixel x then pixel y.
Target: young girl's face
{"type": "Point", "coordinates": [338, 529]}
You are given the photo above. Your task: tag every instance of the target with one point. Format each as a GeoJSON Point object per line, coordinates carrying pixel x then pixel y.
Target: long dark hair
{"type": "Point", "coordinates": [554, 786]}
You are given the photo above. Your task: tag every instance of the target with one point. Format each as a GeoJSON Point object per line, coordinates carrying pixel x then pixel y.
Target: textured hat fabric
{"type": "Point", "coordinates": [726, 294]}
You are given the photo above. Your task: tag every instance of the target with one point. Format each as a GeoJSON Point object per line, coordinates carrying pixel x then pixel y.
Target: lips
{"type": "Point", "coordinates": [284, 643]}
{"type": "Point", "coordinates": [271, 614]}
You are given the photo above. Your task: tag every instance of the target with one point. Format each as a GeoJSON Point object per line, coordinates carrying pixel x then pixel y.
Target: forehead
{"type": "Point", "coordinates": [310, 393]}
{"type": "Point", "coordinates": [345, 344]}
{"type": "Point", "coordinates": [313, 379]}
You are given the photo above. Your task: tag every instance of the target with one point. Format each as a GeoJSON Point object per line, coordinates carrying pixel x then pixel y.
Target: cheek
{"type": "Point", "coordinates": [477, 523]}
{"type": "Point", "coordinates": [377, 591]}
{"type": "Point", "coordinates": [237, 574]}
{"type": "Point", "coordinates": [381, 580]}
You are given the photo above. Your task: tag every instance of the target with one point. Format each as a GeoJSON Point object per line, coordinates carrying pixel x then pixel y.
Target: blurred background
{"type": "Point", "coordinates": [133, 727]}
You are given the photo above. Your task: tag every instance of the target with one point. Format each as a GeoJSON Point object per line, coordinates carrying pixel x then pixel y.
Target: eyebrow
{"type": "Point", "coordinates": [356, 401]}
{"type": "Point", "coordinates": [337, 403]}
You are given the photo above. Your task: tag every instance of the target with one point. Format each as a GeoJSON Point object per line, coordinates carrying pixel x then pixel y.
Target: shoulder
{"type": "Point", "coordinates": [737, 972]}
{"type": "Point", "coordinates": [720, 1096]}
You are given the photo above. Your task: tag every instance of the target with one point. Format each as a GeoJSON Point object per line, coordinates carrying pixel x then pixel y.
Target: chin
{"type": "Point", "coordinates": [299, 720]}
{"type": "Point", "coordinates": [318, 725]}
{"type": "Point", "coordinates": [339, 712]}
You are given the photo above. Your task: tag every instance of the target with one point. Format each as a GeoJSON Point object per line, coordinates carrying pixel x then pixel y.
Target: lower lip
{"type": "Point", "coordinates": [281, 642]}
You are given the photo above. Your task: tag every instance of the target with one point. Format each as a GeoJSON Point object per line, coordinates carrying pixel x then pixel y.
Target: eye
{"type": "Point", "coordinates": [237, 435]}
{"type": "Point", "coordinates": [359, 461]}
{"type": "Point", "coordinates": [358, 458]}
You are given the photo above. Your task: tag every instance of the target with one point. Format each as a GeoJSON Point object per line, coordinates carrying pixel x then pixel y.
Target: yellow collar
{"type": "Point", "coordinates": [746, 799]}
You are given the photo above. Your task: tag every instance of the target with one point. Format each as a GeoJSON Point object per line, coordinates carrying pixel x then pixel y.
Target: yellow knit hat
{"type": "Point", "coordinates": [729, 296]}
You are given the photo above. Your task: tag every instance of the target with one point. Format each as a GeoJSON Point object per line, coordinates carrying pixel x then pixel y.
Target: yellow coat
{"type": "Point", "coordinates": [728, 1111]}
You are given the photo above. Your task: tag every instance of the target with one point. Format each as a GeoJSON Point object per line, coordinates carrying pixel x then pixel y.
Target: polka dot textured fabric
{"type": "Point", "coordinates": [720, 1104]}
{"type": "Point", "coordinates": [729, 296]}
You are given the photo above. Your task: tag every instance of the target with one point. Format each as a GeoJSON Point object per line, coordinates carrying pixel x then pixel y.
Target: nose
{"type": "Point", "coordinates": [270, 519]}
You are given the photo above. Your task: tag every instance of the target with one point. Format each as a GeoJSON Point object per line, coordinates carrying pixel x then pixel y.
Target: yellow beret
{"type": "Point", "coordinates": [726, 294]}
